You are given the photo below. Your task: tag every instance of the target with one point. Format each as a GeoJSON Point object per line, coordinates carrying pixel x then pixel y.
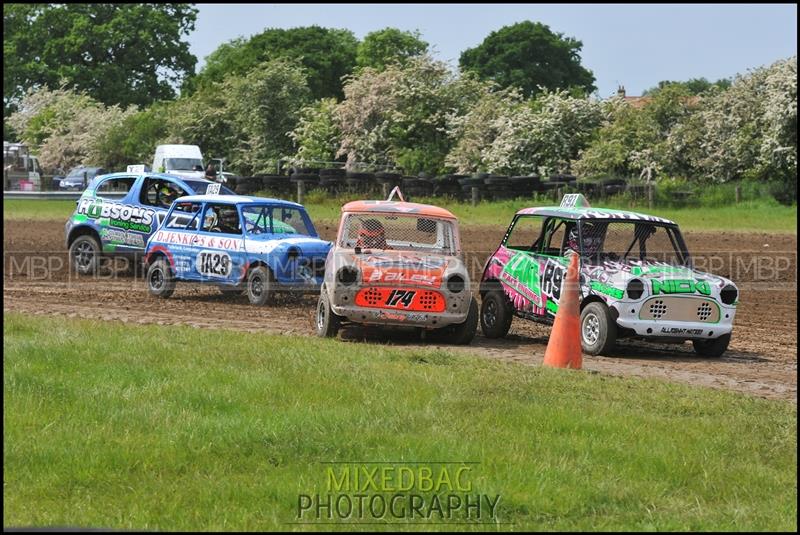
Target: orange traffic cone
{"type": "Point", "coordinates": [564, 347]}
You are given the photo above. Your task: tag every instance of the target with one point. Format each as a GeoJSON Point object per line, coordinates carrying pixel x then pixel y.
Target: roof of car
{"type": "Point", "coordinates": [397, 207]}
{"type": "Point", "coordinates": [591, 213]}
{"type": "Point", "coordinates": [237, 199]}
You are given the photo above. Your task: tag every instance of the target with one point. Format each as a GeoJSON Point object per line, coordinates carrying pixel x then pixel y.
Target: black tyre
{"type": "Point", "coordinates": [712, 348]}
{"type": "Point", "coordinates": [260, 286]}
{"type": "Point", "coordinates": [327, 322]}
{"type": "Point", "coordinates": [497, 312]}
{"type": "Point", "coordinates": [84, 255]}
{"type": "Point", "coordinates": [160, 279]}
{"type": "Point", "coordinates": [598, 329]}
{"type": "Point", "coordinates": [461, 333]}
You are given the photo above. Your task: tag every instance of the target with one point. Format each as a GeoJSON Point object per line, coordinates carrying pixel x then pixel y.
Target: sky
{"type": "Point", "coordinates": [631, 45]}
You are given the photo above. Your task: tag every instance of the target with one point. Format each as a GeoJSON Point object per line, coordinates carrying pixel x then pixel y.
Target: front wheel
{"type": "Point", "coordinates": [712, 348]}
{"type": "Point", "coordinates": [260, 286]}
{"type": "Point", "coordinates": [160, 280]}
{"type": "Point", "coordinates": [496, 314]}
{"type": "Point", "coordinates": [461, 333]}
{"type": "Point", "coordinates": [327, 322]}
{"type": "Point", "coordinates": [598, 329]}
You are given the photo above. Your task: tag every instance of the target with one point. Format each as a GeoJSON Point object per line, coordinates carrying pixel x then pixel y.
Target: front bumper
{"type": "Point", "coordinates": [384, 316]}
{"type": "Point", "coordinates": [640, 318]}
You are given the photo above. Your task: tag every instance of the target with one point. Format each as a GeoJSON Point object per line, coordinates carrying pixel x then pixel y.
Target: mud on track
{"type": "Point", "coordinates": [762, 359]}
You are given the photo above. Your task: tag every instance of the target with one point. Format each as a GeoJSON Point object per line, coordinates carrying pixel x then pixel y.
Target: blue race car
{"type": "Point", "coordinates": [238, 243]}
{"type": "Point", "coordinates": [118, 212]}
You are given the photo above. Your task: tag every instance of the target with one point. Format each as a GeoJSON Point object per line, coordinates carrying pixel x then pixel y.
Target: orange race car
{"type": "Point", "coordinates": [398, 263]}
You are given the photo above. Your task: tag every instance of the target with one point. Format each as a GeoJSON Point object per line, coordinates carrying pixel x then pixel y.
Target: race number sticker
{"type": "Point", "coordinates": [402, 298]}
{"type": "Point", "coordinates": [213, 189]}
{"type": "Point", "coordinates": [214, 263]}
{"type": "Point", "coordinates": [551, 280]}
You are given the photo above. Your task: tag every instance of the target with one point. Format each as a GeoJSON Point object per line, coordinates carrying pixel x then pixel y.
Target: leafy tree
{"type": "Point", "coordinates": [134, 139]}
{"type": "Point", "coordinates": [543, 135]}
{"type": "Point", "coordinates": [382, 47]}
{"type": "Point", "coordinates": [317, 135]}
{"type": "Point", "coordinates": [399, 116]}
{"type": "Point", "coordinates": [64, 127]}
{"type": "Point", "coordinates": [695, 86]}
{"type": "Point", "coordinates": [528, 55]}
{"type": "Point", "coordinates": [117, 53]}
{"type": "Point", "coordinates": [326, 54]}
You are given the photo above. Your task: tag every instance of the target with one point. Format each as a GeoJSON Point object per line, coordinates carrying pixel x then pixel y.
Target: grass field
{"type": "Point", "coordinates": [752, 216]}
{"type": "Point", "coordinates": [175, 428]}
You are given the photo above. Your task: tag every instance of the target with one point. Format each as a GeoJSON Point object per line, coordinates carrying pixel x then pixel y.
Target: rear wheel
{"type": "Point", "coordinates": [84, 254]}
{"type": "Point", "coordinates": [497, 312]}
{"type": "Point", "coordinates": [260, 286]}
{"type": "Point", "coordinates": [160, 280]}
{"type": "Point", "coordinates": [712, 348]}
{"type": "Point", "coordinates": [598, 329]}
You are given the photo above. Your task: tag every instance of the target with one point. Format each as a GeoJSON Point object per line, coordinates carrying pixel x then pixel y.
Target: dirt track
{"type": "Point", "coordinates": [762, 359]}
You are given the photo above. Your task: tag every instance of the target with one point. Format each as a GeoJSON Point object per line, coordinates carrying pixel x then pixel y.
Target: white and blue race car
{"type": "Point", "coordinates": [238, 243]}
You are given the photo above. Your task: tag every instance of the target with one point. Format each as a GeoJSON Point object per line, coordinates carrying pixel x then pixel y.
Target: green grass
{"type": "Point", "coordinates": [175, 428]}
{"type": "Point", "coordinates": [749, 216]}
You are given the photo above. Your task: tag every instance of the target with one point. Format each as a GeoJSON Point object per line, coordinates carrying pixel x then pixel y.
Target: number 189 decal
{"type": "Point", "coordinates": [214, 263]}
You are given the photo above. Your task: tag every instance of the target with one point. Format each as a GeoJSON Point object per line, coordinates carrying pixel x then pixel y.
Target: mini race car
{"type": "Point", "coordinates": [118, 212]}
{"type": "Point", "coordinates": [240, 244]}
{"type": "Point", "coordinates": [398, 263]}
{"type": "Point", "coordinates": [636, 279]}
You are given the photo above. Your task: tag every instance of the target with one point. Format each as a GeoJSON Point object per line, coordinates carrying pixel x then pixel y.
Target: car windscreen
{"type": "Point", "coordinates": [377, 231]}
{"type": "Point", "coordinates": [200, 187]}
{"type": "Point", "coordinates": [78, 172]}
{"type": "Point", "coordinates": [267, 219]}
{"type": "Point", "coordinates": [182, 164]}
{"type": "Point", "coordinates": [624, 241]}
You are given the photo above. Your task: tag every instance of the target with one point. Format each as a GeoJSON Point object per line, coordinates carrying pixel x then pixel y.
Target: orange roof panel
{"type": "Point", "coordinates": [398, 207]}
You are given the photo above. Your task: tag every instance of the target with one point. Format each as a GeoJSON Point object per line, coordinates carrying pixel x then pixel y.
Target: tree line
{"type": "Point", "coordinates": [519, 103]}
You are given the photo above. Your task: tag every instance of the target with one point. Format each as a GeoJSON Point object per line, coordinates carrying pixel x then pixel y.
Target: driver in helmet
{"type": "Point", "coordinates": [592, 237]}
{"type": "Point", "coordinates": [371, 235]}
{"type": "Point", "coordinates": [166, 194]}
{"type": "Point", "coordinates": [228, 220]}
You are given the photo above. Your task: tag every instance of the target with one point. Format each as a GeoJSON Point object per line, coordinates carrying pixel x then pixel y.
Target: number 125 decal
{"type": "Point", "coordinates": [401, 297]}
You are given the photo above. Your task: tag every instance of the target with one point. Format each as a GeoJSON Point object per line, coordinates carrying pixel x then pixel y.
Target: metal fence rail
{"type": "Point", "coordinates": [54, 195]}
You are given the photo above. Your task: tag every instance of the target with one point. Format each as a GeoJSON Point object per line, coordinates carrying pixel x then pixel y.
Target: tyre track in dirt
{"type": "Point", "coordinates": [761, 361]}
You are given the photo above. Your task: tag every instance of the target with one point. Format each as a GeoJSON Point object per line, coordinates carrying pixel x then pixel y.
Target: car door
{"type": "Point", "coordinates": [179, 236]}
{"type": "Point", "coordinates": [217, 249]}
{"type": "Point", "coordinates": [550, 255]}
{"type": "Point", "coordinates": [123, 227]}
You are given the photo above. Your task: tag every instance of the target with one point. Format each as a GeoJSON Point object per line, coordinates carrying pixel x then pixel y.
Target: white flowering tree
{"type": "Point", "coordinates": [64, 127]}
{"type": "Point", "coordinates": [317, 135]}
{"type": "Point", "coordinates": [542, 136]}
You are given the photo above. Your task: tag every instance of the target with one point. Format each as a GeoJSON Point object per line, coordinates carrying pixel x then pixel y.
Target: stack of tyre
{"type": "Point", "coordinates": [498, 187]}
{"type": "Point", "coordinates": [359, 181]}
{"type": "Point", "coordinates": [309, 176]}
{"type": "Point", "coordinates": [612, 186]}
{"type": "Point", "coordinates": [447, 186]}
{"type": "Point", "coordinates": [474, 181]}
{"type": "Point", "coordinates": [387, 181]}
{"type": "Point", "coordinates": [332, 180]}
{"type": "Point", "coordinates": [525, 186]}
{"type": "Point", "coordinates": [417, 186]}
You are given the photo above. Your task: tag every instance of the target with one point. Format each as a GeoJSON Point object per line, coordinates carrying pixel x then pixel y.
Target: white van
{"type": "Point", "coordinates": [185, 161]}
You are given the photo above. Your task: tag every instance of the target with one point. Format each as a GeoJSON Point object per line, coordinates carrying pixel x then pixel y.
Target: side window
{"type": "Point", "coordinates": [160, 192]}
{"type": "Point", "coordinates": [115, 185]}
{"type": "Point", "coordinates": [222, 218]}
{"type": "Point", "coordinates": [525, 233]}
{"type": "Point", "coordinates": [185, 216]}
{"type": "Point", "coordinates": [555, 236]}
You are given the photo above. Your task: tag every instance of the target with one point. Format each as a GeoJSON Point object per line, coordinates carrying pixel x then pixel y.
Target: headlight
{"type": "Point", "coordinates": [455, 283]}
{"type": "Point", "coordinates": [347, 275]}
{"type": "Point", "coordinates": [728, 294]}
{"type": "Point", "coordinates": [635, 289]}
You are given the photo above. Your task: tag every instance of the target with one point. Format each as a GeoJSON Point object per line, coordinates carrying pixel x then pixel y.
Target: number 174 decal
{"type": "Point", "coordinates": [400, 297]}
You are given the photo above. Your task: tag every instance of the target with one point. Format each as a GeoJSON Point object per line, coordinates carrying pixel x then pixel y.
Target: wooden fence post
{"type": "Point", "coordinates": [301, 190]}
{"type": "Point", "coordinates": [475, 195]}
{"type": "Point", "coordinates": [650, 195]}
{"type": "Point", "coordinates": [738, 194]}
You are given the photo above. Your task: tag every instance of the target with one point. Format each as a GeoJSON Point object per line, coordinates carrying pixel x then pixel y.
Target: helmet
{"type": "Point", "coordinates": [168, 193]}
{"type": "Point", "coordinates": [592, 238]}
{"type": "Point", "coordinates": [371, 234]}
